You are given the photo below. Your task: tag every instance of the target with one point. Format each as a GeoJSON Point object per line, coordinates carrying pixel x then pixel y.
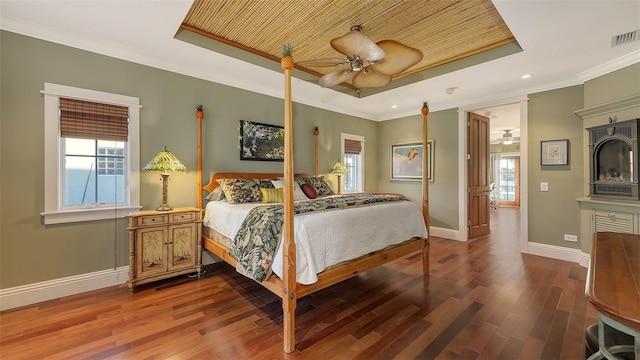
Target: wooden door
{"type": "Point", "coordinates": [478, 165]}
{"type": "Point", "coordinates": [509, 192]}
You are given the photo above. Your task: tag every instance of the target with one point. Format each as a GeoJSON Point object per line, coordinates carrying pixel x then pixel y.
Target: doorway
{"type": "Point", "coordinates": [519, 105]}
{"type": "Point", "coordinates": [505, 153]}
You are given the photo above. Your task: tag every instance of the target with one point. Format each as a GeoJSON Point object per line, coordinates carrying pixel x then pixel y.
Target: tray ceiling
{"type": "Point", "coordinates": [451, 34]}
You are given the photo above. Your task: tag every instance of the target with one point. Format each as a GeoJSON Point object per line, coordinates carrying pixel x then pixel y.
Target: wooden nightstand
{"type": "Point", "coordinates": [164, 244]}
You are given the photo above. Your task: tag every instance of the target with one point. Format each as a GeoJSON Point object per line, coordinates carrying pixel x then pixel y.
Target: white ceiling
{"type": "Point", "coordinates": [564, 43]}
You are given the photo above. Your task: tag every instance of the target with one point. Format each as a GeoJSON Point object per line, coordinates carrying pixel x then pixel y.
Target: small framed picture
{"type": "Point", "coordinates": [554, 152]}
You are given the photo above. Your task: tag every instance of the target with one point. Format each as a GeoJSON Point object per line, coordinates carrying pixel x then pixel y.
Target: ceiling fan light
{"type": "Point", "coordinates": [356, 63]}
{"type": "Point", "coordinates": [507, 138]}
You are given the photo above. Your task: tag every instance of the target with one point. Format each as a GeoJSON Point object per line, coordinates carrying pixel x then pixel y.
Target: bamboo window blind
{"type": "Point", "coordinates": [352, 147]}
{"type": "Point", "coordinates": [92, 120]}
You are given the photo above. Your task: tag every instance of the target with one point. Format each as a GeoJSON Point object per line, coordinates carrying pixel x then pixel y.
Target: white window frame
{"type": "Point", "coordinates": [345, 136]}
{"type": "Point", "coordinates": [53, 213]}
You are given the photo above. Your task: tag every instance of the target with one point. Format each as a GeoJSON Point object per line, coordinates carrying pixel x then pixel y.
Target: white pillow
{"type": "Point", "coordinates": [298, 194]}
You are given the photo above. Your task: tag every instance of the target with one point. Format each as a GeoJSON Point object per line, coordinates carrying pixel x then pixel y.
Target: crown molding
{"type": "Point", "coordinates": [613, 65]}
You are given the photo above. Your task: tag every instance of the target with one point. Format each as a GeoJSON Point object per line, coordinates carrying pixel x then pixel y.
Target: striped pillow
{"type": "Point", "coordinates": [271, 195]}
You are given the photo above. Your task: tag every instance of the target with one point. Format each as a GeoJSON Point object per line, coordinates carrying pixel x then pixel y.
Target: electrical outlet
{"type": "Point", "coordinates": [544, 186]}
{"type": "Point", "coordinates": [571, 238]}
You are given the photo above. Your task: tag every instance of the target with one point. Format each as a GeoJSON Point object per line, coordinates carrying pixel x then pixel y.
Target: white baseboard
{"type": "Point", "coordinates": [48, 290]}
{"type": "Point", "coordinates": [550, 251]}
{"type": "Point", "coordinates": [445, 233]}
{"type": "Point", "coordinates": [558, 252]}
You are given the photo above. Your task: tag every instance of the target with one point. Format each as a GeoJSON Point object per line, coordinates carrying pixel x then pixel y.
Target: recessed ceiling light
{"type": "Point", "coordinates": [450, 90]}
{"type": "Point", "coordinates": [526, 76]}
{"type": "Point", "coordinates": [394, 106]}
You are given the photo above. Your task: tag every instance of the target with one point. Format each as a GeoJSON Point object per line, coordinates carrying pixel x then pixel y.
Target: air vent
{"type": "Point", "coordinates": [625, 38]}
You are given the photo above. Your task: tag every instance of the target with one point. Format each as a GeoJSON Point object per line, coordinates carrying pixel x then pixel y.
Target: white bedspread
{"type": "Point", "coordinates": [327, 238]}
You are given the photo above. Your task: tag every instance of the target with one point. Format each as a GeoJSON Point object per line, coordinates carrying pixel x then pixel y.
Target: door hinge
{"type": "Point", "coordinates": [469, 190]}
{"type": "Point", "coordinates": [468, 156]}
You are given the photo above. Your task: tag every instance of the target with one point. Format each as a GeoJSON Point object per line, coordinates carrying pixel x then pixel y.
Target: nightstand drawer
{"type": "Point", "coordinates": [152, 220]}
{"type": "Point", "coordinates": [186, 216]}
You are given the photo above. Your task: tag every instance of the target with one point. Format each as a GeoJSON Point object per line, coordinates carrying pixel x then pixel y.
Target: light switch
{"type": "Point", "coordinates": [544, 186]}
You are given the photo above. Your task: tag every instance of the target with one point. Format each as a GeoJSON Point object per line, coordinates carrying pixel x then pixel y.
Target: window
{"type": "Point", "coordinates": [353, 159]}
{"type": "Point", "coordinates": [111, 159]}
{"type": "Point", "coordinates": [91, 154]}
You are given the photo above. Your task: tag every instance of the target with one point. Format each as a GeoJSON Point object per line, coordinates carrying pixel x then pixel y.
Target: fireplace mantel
{"type": "Point", "coordinates": [622, 109]}
{"type": "Point", "coordinates": [598, 214]}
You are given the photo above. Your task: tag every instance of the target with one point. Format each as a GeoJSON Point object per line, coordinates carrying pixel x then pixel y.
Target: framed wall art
{"type": "Point", "coordinates": [407, 158]}
{"type": "Point", "coordinates": [554, 152]}
{"type": "Point", "coordinates": [262, 142]}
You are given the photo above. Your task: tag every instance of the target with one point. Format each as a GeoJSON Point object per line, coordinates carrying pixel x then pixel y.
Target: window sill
{"type": "Point", "coordinates": [61, 217]}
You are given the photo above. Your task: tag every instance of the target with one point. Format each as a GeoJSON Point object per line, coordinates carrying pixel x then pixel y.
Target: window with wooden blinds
{"type": "Point", "coordinates": [92, 120]}
{"type": "Point", "coordinates": [352, 147]}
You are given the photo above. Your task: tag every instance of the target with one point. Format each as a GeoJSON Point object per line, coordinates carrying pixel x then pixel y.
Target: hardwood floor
{"type": "Point", "coordinates": [482, 300]}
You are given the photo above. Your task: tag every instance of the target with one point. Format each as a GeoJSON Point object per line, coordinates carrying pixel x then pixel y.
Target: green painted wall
{"type": "Point", "coordinates": [443, 191]}
{"type": "Point", "coordinates": [613, 86]}
{"type": "Point", "coordinates": [556, 212]}
{"type": "Point", "coordinates": [31, 252]}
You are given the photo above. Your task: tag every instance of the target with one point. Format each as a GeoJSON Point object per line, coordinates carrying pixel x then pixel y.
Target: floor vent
{"type": "Point", "coordinates": [625, 38]}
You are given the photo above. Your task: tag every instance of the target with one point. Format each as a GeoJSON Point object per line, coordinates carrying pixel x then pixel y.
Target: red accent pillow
{"type": "Point", "coordinates": [309, 190]}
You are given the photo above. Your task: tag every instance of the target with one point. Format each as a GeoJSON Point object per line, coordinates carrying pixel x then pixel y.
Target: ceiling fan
{"type": "Point", "coordinates": [507, 138]}
{"type": "Point", "coordinates": [369, 64]}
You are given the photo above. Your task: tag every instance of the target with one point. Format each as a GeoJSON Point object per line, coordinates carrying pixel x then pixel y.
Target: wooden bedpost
{"type": "Point", "coordinates": [200, 116]}
{"type": "Point", "coordinates": [315, 134]}
{"type": "Point", "coordinates": [425, 185]}
{"type": "Point", "coordinates": [289, 247]}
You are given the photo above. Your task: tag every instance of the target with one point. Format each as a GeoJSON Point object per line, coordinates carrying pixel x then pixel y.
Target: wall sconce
{"type": "Point", "coordinates": [165, 161]}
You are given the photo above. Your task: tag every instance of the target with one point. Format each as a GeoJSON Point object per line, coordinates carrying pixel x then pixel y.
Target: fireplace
{"type": "Point", "coordinates": [613, 160]}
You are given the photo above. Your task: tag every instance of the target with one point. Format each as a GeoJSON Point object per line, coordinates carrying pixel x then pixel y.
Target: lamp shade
{"type": "Point", "coordinates": [165, 161]}
{"type": "Point", "coordinates": [339, 168]}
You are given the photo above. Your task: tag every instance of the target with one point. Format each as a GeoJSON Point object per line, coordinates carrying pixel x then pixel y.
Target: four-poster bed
{"type": "Point", "coordinates": [286, 286]}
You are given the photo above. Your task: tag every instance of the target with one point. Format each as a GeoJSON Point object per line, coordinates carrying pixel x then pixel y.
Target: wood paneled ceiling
{"type": "Point", "coordinates": [446, 31]}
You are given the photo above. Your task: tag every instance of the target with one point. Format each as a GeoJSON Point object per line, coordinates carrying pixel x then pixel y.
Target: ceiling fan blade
{"type": "Point", "coordinates": [356, 43]}
{"type": "Point", "coordinates": [336, 77]}
{"type": "Point", "coordinates": [368, 78]}
{"type": "Point", "coordinates": [399, 57]}
{"type": "Point", "coordinates": [322, 62]}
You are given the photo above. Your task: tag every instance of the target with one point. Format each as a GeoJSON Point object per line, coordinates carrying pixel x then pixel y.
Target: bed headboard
{"type": "Point", "coordinates": [213, 182]}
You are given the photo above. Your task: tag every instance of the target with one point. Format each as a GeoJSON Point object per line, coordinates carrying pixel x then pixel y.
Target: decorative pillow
{"type": "Point", "coordinates": [309, 190]}
{"type": "Point", "coordinates": [297, 192]}
{"type": "Point", "coordinates": [241, 190]}
{"type": "Point", "coordinates": [266, 183]}
{"type": "Point", "coordinates": [321, 185]}
{"type": "Point", "coordinates": [271, 195]}
{"type": "Point", "coordinates": [216, 195]}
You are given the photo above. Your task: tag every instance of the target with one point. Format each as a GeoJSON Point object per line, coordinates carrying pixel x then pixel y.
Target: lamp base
{"type": "Point", "coordinates": [165, 192]}
{"type": "Point", "coordinates": [164, 207]}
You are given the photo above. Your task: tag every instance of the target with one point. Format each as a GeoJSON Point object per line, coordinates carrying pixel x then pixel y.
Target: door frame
{"type": "Point", "coordinates": [463, 206]}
